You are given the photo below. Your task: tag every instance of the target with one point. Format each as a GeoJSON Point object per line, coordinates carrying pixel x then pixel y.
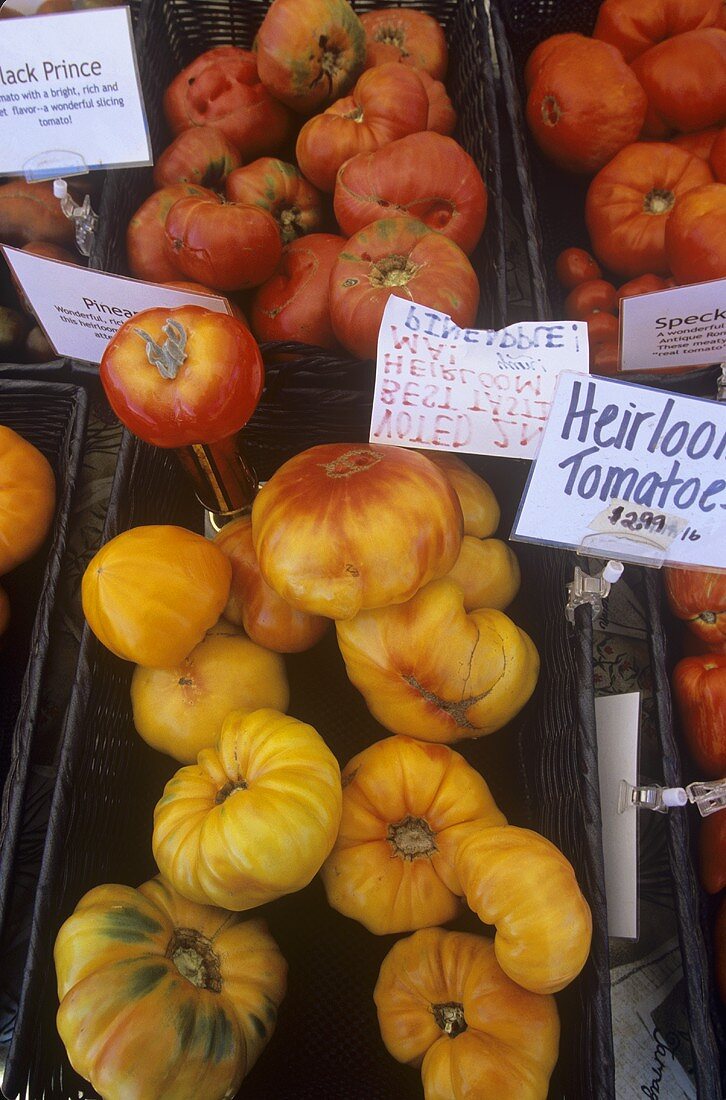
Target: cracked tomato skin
{"type": "Point", "coordinates": [215, 391]}
{"type": "Point", "coordinates": [471, 686]}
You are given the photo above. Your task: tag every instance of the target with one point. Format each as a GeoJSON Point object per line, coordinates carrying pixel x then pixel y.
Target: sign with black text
{"type": "Point", "coordinates": [69, 95]}
{"type": "Point", "coordinates": [477, 391]}
{"type": "Point", "coordinates": [80, 310]}
{"type": "Point", "coordinates": [629, 472]}
{"type": "Point", "coordinates": [681, 327]}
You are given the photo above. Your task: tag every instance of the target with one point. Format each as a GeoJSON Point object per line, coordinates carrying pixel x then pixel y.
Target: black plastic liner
{"type": "Point", "coordinates": [542, 769]}
{"type": "Point", "coordinates": [52, 416]}
{"type": "Point", "coordinates": [171, 33]}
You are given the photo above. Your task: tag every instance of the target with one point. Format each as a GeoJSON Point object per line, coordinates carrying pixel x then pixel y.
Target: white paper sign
{"type": "Point", "coordinates": [617, 721]}
{"type": "Point", "coordinates": [69, 95]}
{"type": "Point", "coordinates": [629, 472]}
{"type": "Point", "coordinates": [682, 327]}
{"type": "Point", "coordinates": [80, 310]}
{"type": "Point", "coordinates": [479, 391]}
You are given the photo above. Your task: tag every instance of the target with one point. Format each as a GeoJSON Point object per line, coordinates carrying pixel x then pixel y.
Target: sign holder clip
{"type": "Point", "coordinates": [709, 796]}
{"type": "Point", "coordinates": [83, 217]}
{"type": "Point", "coordinates": [721, 384]}
{"type": "Point", "coordinates": [585, 588]}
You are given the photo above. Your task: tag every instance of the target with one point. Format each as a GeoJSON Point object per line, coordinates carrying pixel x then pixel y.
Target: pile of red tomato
{"type": "Point", "coordinates": [314, 182]}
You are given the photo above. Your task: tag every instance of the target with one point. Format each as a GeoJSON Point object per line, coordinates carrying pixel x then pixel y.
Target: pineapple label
{"type": "Point", "coordinates": [629, 472]}
{"type": "Point", "coordinates": [681, 327]}
{"type": "Point", "coordinates": [476, 391]}
{"type": "Point", "coordinates": [70, 99]}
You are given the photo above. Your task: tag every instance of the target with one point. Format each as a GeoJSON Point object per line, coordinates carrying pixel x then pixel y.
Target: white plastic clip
{"type": "Point", "coordinates": [591, 589]}
{"type": "Point", "coordinates": [83, 217]}
{"type": "Point", "coordinates": [721, 384]}
{"type": "Point", "coordinates": [708, 796]}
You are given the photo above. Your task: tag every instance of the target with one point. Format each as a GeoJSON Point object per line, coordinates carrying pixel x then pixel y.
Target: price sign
{"type": "Point", "coordinates": [682, 327]}
{"type": "Point", "coordinates": [81, 310]}
{"type": "Point", "coordinates": [69, 95]}
{"type": "Point", "coordinates": [629, 472]}
{"type": "Point", "coordinates": [481, 391]}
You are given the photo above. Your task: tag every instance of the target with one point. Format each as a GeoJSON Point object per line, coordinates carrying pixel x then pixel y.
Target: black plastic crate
{"type": "Point", "coordinates": [542, 769]}
{"type": "Point", "coordinates": [171, 33]}
{"type": "Point", "coordinates": [52, 416]}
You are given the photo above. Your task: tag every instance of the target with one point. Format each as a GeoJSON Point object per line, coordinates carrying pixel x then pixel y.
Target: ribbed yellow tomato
{"type": "Point", "coordinates": [255, 818]}
{"type": "Point", "coordinates": [487, 571]}
{"type": "Point", "coordinates": [162, 999]}
{"type": "Point", "coordinates": [27, 498]}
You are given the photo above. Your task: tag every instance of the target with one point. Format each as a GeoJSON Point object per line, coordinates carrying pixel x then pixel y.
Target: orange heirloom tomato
{"type": "Point", "coordinates": [309, 52]}
{"type": "Point", "coordinates": [643, 284]}
{"type": "Point", "coordinates": [717, 156]}
{"type": "Point", "coordinates": [405, 805]}
{"type": "Point", "coordinates": [135, 963]}
{"type": "Point", "coordinates": [222, 88]}
{"type": "Point", "coordinates": [698, 597]}
{"type": "Point", "coordinates": [595, 295]}
{"type": "Point", "coordinates": [445, 1004]}
{"type": "Point", "coordinates": [278, 187]}
{"type": "Point", "coordinates": [699, 143]}
{"type": "Point", "coordinates": [543, 50]}
{"type": "Point", "coordinates": [518, 881]}
{"type": "Point", "coordinates": [695, 237]}
{"type": "Point", "coordinates": [146, 245]}
{"type": "Point", "coordinates": [606, 358]}
{"type": "Point", "coordinates": [425, 176]}
{"type": "Point", "coordinates": [630, 201]}
{"type": "Point", "coordinates": [634, 28]}
{"type": "Point", "coordinates": [574, 266]}
{"type": "Point", "coordinates": [199, 288]}
{"type": "Point", "coordinates": [442, 115]}
{"type": "Point", "coordinates": [387, 103]}
{"type": "Point", "coordinates": [151, 593]}
{"type": "Point", "coordinates": [602, 328]}
{"type": "Point", "coordinates": [584, 105]}
{"type": "Point", "coordinates": [487, 571]}
{"type": "Point", "coordinates": [699, 688]}
{"type": "Point", "coordinates": [332, 528]}
{"type": "Point", "coordinates": [27, 499]}
{"type": "Point", "coordinates": [400, 256]}
{"type": "Point", "coordinates": [211, 396]}
{"type": "Point", "coordinates": [406, 35]}
{"type": "Point", "coordinates": [684, 79]}
{"type": "Point", "coordinates": [267, 619]}
{"type": "Point", "coordinates": [470, 687]}
{"type": "Point", "coordinates": [200, 155]}
{"type": "Point", "coordinates": [255, 818]}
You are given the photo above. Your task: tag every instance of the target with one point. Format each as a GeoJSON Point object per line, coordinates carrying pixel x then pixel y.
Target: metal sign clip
{"type": "Point", "coordinates": [591, 589]}
{"type": "Point", "coordinates": [84, 219]}
{"type": "Point", "coordinates": [708, 795]}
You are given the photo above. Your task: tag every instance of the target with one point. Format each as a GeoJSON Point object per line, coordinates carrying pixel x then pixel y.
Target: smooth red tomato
{"type": "Point", "coordinates": [293, 304]}
{"type": "Point", "coordinates": [280, 188]}
{"type": "Point", "coordinates": [146, 247]}
{"type": "Point", "coordinates": [695, 235]}
{"type": "Point", "coordinates": [222, 88]}
{"type": "Point", "coordinates": [699, 688]}
{"type": "Point", "coordinates": [400, 256]}
{"type": "Point", "coordinates": [635, 27]}
{"type": "Point", "coordinates": [224, 245]}
{"type": "Point", "coordinates": [684, 79]}
{"type": "Point", "coordinates": [387, 103]}
{"type": "Point", "coordinates": [200, 155]}
{"type": "Point", "coordinates": [596, 295]}
{"type": "Point", "coordinates": [198, 288]}
{"type": "Point", "coordinates": [644, 284]}
{"type": "Point", "coordinates": [602, 328]}
{"type": "Point", "coordinates": [213, 392]}
{"type": "Point", "coordinates": [542, 51]}
{"type": "Point", "coordinates": [698, 598]}
{"type": "Point", "coordinates": [426, 176]}
{"type": "Point", "coordinates": [406, 35]}
{"type": "Point", "coordinates": [576, 265]}
{"type": "Point", "coordinates": [605, 358]}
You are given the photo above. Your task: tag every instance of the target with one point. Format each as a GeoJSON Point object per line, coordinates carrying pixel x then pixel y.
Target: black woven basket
{"type": "Point", "coordinates": [51, 416]}
{"type": "Point", "coordinates": [542, 770]}
{"type": "Point", "coordinates": [170, 33]}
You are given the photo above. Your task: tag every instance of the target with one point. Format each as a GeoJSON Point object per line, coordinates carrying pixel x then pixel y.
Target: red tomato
{"type": "Point", "coordinates": [698, 144]}
{"type": "Point", "coordinates": [293, 304]}
{"type": "Point", "coordinates": [400, 256]}
{"type": "Point", "coordinates": [198, 288]}
{"type": "Point", "coordinates": [214, 391]}
{"type": "Point", "coordinates": [635, 27]}
{"type": "Point", "coordinates": [698, 598]}
{"type": "Point", "coordinates": [425, 175]}
{"type": "Point", "coordinates": [406, 35]}
{"type": "Point", "coordinates": [644, 284]}
{"type": "Point", "coordinates": [146, 246]}
{"type": "Point", "coordinates": [200, 155]}
{"type": "Point", "coordinates": [574, 266]}
{"type": "Point", "coordinates": [699, 688]}
{"type": "Point", "coordinates": [387, 103]}
{"type": "Point", "coordinates": [717, 156]}
{"type": "Point", "coordinates": [684, 79]}
{"type": "Point", "coordinates": [606, 358]}
{"type": "Point", "coordinates": [695, 235]}
{"type": "Point", "coordinates": [222, 88]}
{"type": "Point", "coordinates": [602, 328]}
{"type": "Point", "coordinates": [274, 185]}
{"type": "Point", "coordinates": [712, 852]}
{"type": "Point", "coordinates": [596, 295]}
{"type": "Point", "coordinates": [224, 245]}
{"type": "Point", "coordinates": [442, 114]}
{"type": "Point", "coordinates": [542, 51]}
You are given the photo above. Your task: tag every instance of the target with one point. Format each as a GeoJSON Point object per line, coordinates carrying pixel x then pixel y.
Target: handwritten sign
{"type": "Point", "coordinates": [484, 391]}
{"type": "Point", "coordinates": [682, 327]}
{"type": "Point", "coordinates": [80, 310]}
{"type": "Point", "coordinates": [69, 95]}
{"type": "Point", "coordinates": [629, 472]}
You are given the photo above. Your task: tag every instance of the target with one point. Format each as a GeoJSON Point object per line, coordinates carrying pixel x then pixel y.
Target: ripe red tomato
{"type": "Point", "coordinates": [146, 247]}
{"type": "Point", "coordinates": [602, 328]}
{"type": "Point", "coordinates": [442, 113]}
{"type": "Point", "coordinates": [293, 304]}
{"type": "Point", "coordinates": [279, 187]}
{"type": "Point", "coordinates": [387, 103]}
{"type": "Point", "coordinates": [695, 235]}
{"type": "Point", "coordinates": [222, 88]}
{"type": "Point", "coordinates": [426, 176]}
{"type": "Point", "coordinates": [717, 155]}
{"type": "Point", "coordinates": [224, 245]}
{"type": "Point", "coordinates": [596, 295]}
{"type": "Point", "coordinates": [605, 359]}
{"type": "Point", "coordinates": [698, 598]}
{"type": "Point", "coordinates": [698, 144]}
{"type": "Point", "coordinates": [699, 688]}
{"type": "Point", "coordinates": [644, 284]}
{"type": "Point", "coordinates": [634, 28]}
{"type": "Point", "coordinates": [200, 155]}
{"type": "Point", "coordinates": [406, 35]}
{"type": "Point", "coordinates": [214, 391]}
{"type": "Point", "coordinates": [574, 266]}
{"type": "Point", "coordinates": [684, 78]}
{"type": "Point", "coordinates": [400, 256]}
